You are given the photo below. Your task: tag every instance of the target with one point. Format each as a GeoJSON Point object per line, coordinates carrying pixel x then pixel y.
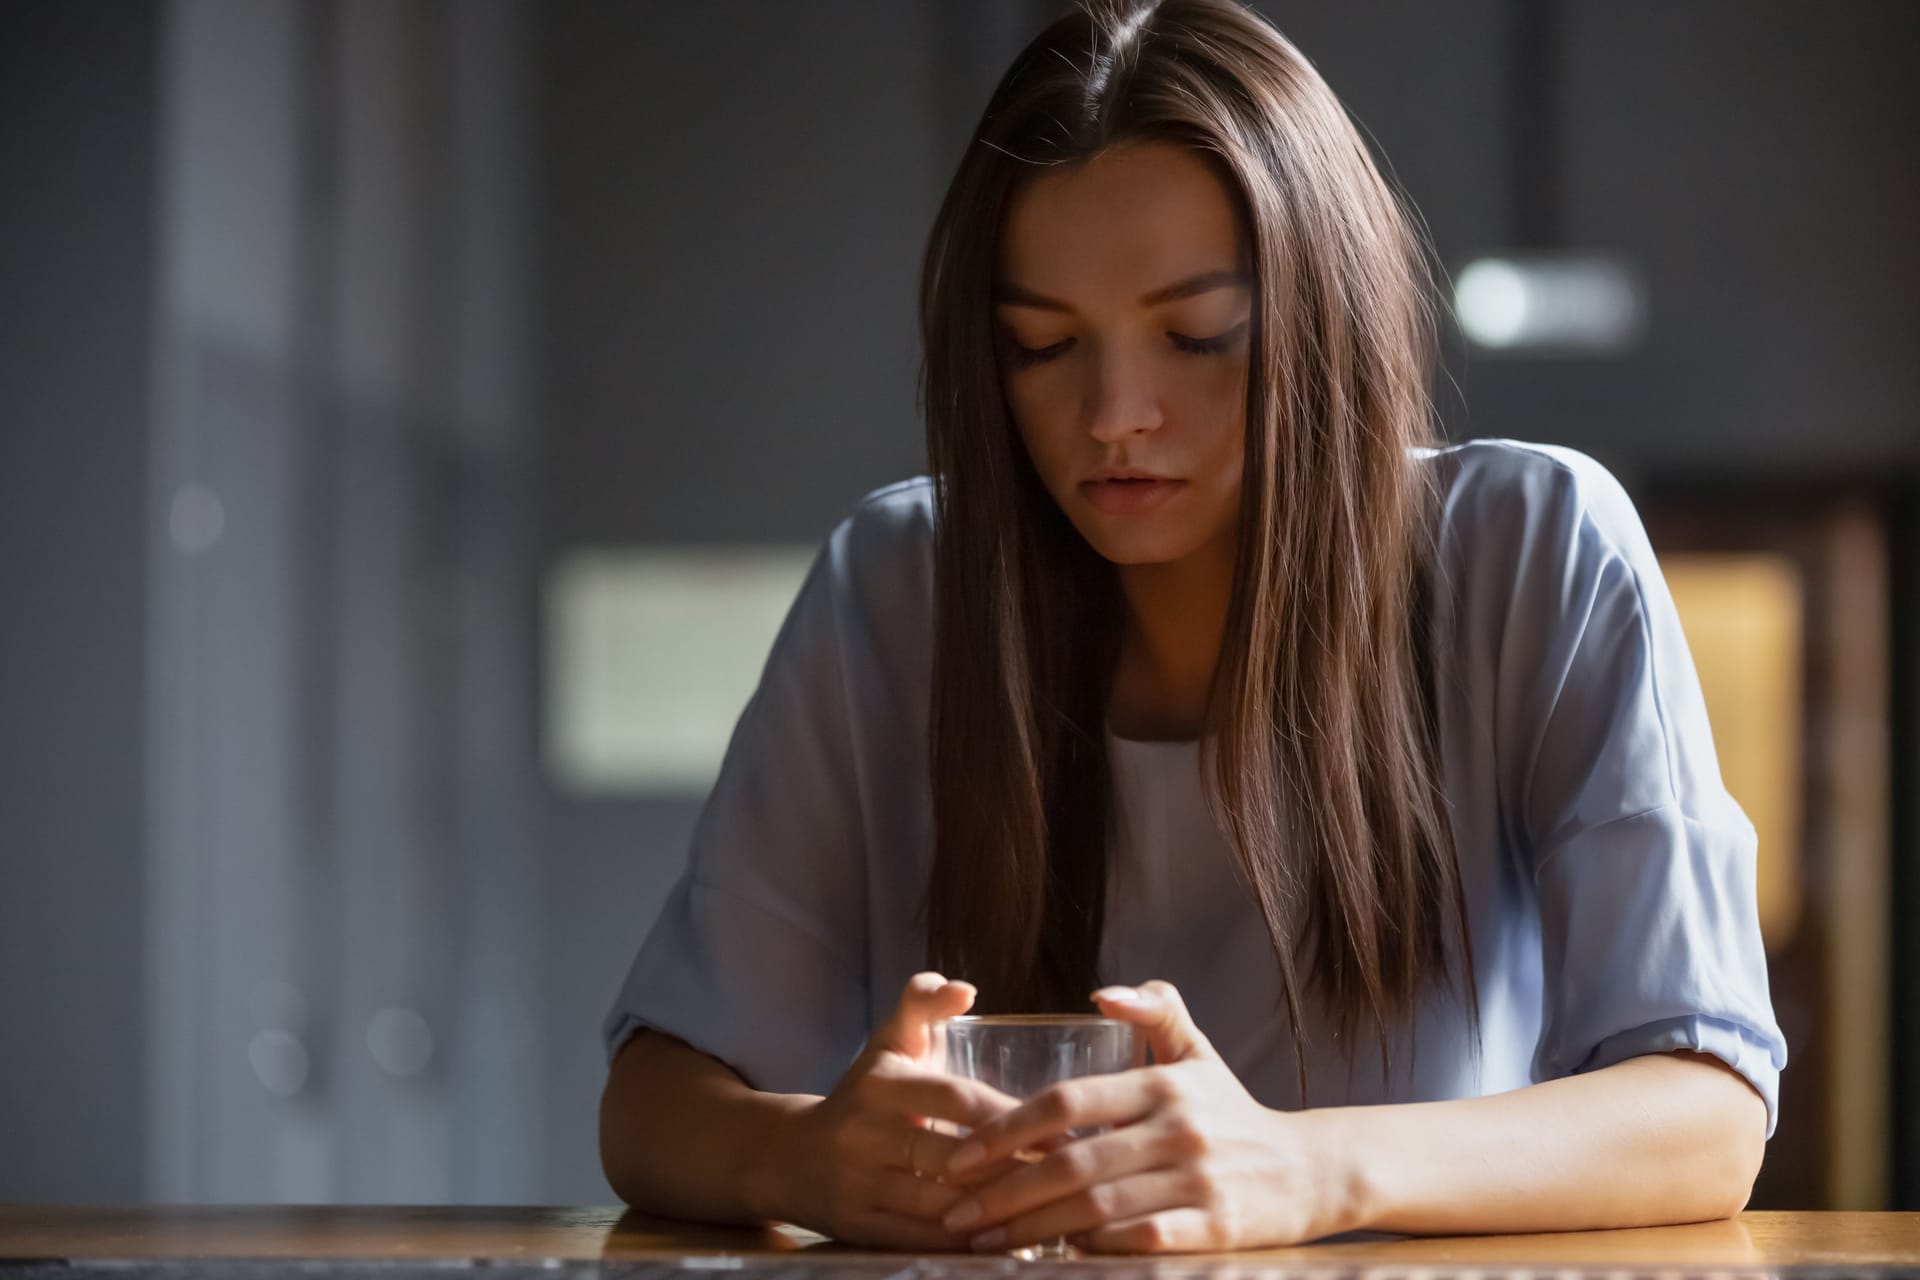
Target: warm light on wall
{"type": "Point", "coordinates": [1742, 613]}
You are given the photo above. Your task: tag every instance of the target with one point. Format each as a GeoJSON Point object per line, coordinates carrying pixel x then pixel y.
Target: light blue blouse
{"type": "Point", "coordinates": [1608, 874]}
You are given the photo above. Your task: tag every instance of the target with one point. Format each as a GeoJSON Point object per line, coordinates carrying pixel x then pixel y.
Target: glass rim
{"type": "Point", "coordinates": [1063, 1021]}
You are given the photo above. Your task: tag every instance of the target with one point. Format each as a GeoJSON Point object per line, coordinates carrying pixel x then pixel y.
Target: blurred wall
{"type": "Point", "coordinates": [76, 259]}
{"type": "Point", "coordinates": [344, 866]}
{"type": "Point", "coordinates": [1753, 157]}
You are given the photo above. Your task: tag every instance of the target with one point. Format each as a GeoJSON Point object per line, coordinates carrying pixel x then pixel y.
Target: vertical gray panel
{"type": "Point", "coordinates": [389, 572]}
{"type": "Point", "coordinates": [76, 260]}
{"type": "Point", "coordinates": [500, 981]}
{"type": "Point", "coordinates": [219, 846]}
{"type": "Point", "coordinates": [345, 803]}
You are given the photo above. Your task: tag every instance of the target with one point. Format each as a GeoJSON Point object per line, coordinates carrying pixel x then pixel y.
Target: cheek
{"type": "Point", "coordinates": [1225, 389]}
{"type": "Point", "coordinates": [1044, 422]}
{"type": "Point", "coordinates": [1037, 397]}
{"type": "Point", "coordinates": [1214, 405]}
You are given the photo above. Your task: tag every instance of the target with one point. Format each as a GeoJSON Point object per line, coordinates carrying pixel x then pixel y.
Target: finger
{"type": "Point", "coordinates": [1185, 1230]}
{"type": "Point", "coordinates": [1093, 1208]}
{"type": "Point", "coordinates": [982, 1175]}
{"type": "Point", "coordinates": [936, 1097]}
{"type": "Point", "coordinates": [928, 998]}
{"type": "Point", "coordinates": [1156, 1007]}
{"type": "Point", "coordinates": [897, 1191]}
{"type": "Point", "coordinates": [1091, 1101]}
{"type": "Point", "coordinates": [900, 1143]}
{"type": "Point", "coordinates": [1067, 1172]}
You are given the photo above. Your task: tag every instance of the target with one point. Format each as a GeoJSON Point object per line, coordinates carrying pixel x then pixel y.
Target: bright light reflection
{"type": "Point", "coordinates": [1567, 303]}
{"type": "Point", "coordinates": [1491, 297]}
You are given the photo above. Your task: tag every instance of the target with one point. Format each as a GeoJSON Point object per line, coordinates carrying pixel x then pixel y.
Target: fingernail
{"type": "Point", "coordinates": [965, 1158]}
{"type": "Point", "coordinates": [1117, 995]}
{"type": "Point", "coordinates": [986, 1240]}
{"type": "Point", "coordinates": [963, 1215]}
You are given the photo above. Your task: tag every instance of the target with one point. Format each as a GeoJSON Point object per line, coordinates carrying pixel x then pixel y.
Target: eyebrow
{"type": "Point", "coordinates": [1011, 294]}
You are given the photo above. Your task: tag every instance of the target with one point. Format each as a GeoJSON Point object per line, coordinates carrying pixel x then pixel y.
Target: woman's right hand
{"type": "Point", "coordinates": [860, 1165]}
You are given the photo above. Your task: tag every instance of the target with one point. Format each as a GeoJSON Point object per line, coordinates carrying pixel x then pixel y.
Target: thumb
{"type": "Point", "coordinates": [928, 998]}
{"type": "Point", "coordinates": [1157, 1008]}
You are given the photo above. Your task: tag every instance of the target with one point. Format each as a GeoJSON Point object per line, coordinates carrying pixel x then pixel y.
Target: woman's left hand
{"type": "Point", "coordinates": [1191, 1163]}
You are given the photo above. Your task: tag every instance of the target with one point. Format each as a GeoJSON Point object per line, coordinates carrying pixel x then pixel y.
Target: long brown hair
{"type": "Point", "coordinates": [1323, 762]}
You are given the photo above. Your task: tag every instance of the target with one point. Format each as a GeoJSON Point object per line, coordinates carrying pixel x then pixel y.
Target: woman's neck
{"type": "Point", "coordinates": [1176, 615]}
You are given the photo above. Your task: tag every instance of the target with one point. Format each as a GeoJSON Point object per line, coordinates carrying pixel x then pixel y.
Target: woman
{"type": "Point", "coordinates": [1378, 771]}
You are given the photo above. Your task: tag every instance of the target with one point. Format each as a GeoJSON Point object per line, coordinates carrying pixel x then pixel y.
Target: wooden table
{"type": "Point", "coordinates": [163, 1236]}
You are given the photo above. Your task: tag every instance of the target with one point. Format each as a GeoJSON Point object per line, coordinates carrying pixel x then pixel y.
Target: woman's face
{"type": "Point", "coordinates": [1123, 304]}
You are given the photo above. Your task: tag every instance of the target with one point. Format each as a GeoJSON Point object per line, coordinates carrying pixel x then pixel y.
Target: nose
{"type": "Point", "coordinates": [1123, 400]}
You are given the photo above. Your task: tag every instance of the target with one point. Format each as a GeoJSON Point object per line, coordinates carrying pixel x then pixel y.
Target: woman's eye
{"type": "Point", "coordinates": [1024, 356]}
{"type": "Point", "coordinates": [1219, 344]}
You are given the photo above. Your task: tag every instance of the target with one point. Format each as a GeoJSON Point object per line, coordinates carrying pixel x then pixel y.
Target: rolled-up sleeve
{"type": "Point", "coordinates": [1649, 948]}
{"type": "Point", "coordinates": [757, 955]}
{"type": "Point", "coordinates": [1643, 864]}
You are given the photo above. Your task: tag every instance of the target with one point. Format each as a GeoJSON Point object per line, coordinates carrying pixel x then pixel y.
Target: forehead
{"type": "Point", "coordinates": [1111, 228]}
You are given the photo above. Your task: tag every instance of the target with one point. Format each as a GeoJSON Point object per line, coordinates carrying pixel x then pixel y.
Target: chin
{"type": "Point", "coordinates": [1138, 546]}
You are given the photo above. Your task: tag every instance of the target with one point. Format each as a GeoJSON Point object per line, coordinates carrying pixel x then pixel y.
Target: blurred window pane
{"type": "Point", "coordinates": [651, 655]}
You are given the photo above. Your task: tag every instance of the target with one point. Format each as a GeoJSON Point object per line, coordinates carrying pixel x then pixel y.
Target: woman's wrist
{"type": "Point", "coordinates": [1341, 1152]}
{"type": "Point", "coordinates": [772, 1157]}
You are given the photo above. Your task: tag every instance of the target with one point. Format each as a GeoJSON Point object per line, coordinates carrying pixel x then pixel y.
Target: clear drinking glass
{"type": "Point", "coordinates": [1021, 1054]}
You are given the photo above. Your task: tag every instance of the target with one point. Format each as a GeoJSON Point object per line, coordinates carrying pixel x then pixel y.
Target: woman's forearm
{"type": "Point", "coordinates": [1658, 1139]}
{"type": "Point", "coordinates": [681, 1134]}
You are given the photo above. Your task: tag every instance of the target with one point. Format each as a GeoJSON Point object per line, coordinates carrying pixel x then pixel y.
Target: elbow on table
{"type": "Point", "coordinates": [621, 1124]}
{"type": "Point", "coordinates": [1747, 1150]}
{"type": "Point", "coordinates": [619, 1174]}
{"type": "Point", "coordinates": [1743, 1146]}
{"type": "Point", "coordinates": [1710, 1138]}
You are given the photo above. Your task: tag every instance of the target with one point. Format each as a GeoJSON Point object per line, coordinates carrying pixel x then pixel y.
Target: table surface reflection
{"type": "Point", "coordinates": [170, 1238]}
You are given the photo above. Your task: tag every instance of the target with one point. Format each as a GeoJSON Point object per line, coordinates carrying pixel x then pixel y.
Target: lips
{"type": "Point", "coordinates": [1124, 493]}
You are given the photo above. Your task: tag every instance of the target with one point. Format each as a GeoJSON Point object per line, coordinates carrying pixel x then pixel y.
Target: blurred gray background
{"type": "Point", "coordinates": [328, 328]}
